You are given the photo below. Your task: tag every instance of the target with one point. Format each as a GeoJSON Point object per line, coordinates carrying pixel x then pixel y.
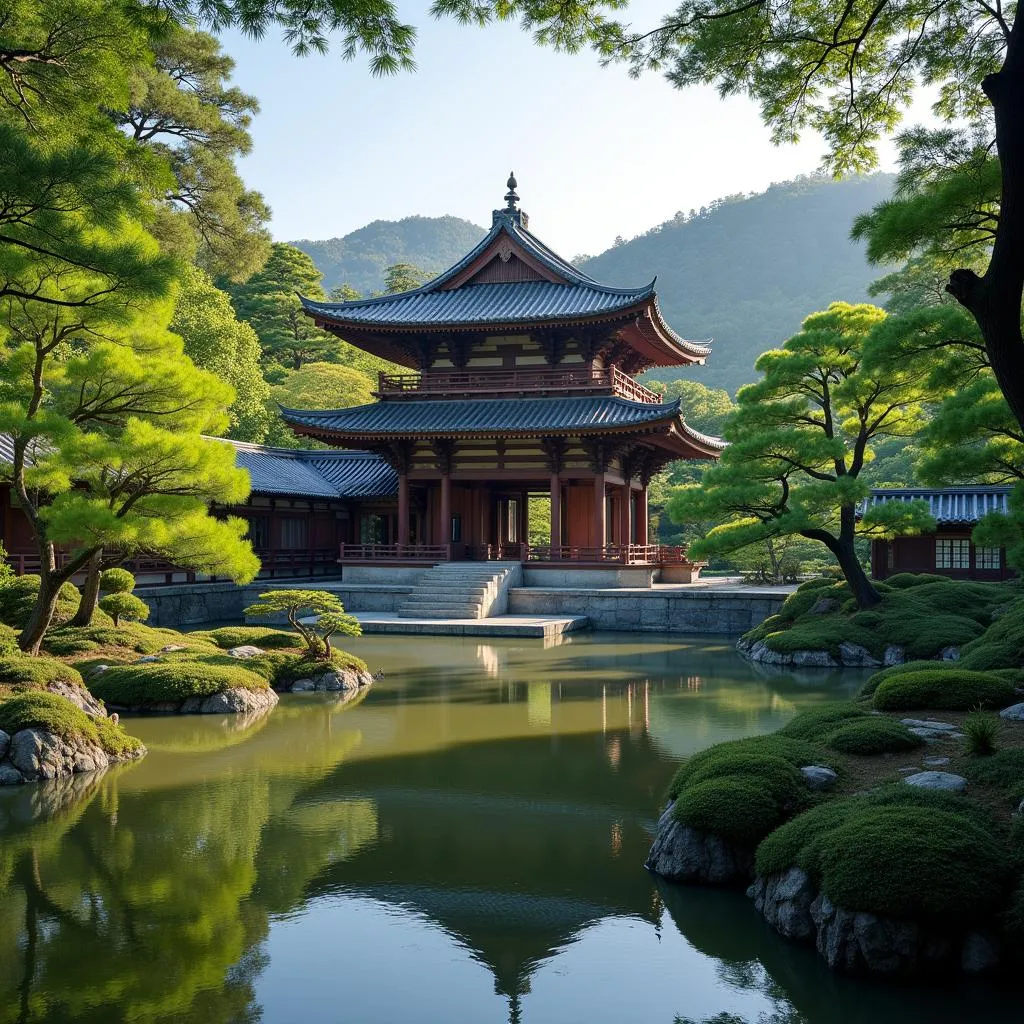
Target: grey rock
{"type": "Point", "coordinates": [682, 854]}
{"type": "Point", "coordinates": [238, 700]}
{"type": "Point", "coordinates": [5, 744]}
{"type": "Point", "coordinates": [1020, 808]}
{"type": "Point", "coordinates": [819, 777]}
{"type": "Point", "coordinates": [39, 754]}
{"type": "Point", "coordinates": [785, 901]}
{"type": "Point", "coordinates": [938, 780]}
{"type": "Point", "coordinates": [173, 647]}
{"type": "Point", "coordinates": [857, 942]}
{"type": "Point", "coordinates": [1014, 713]}
{"type": "Point", "coordinates": [814, 659]}
{"type": "Point", "coordinates": [333, 681]}
{"type": "Point", "coordinates": [245, 651]}
{"type": "Point", "coordinates": [930, 735]}
{"type": "Point", "coordinates": [79, 696]}
{"type": "Point", "coordinates": [924, 723]}
{"type": "Point", "coordinates": [146, 658]}
{"type": "Point", "coordinates": [907, 771]}
{"type": "Point", "coordinates": [950, 654]}
{"type": "Point", "coordinates": [98, 670]}
{"type": "Point", "coordinates": [823, 606]}
{"type": "Point", "coordinates": [191, 706]}
{"type": "Point", "coordinates": [980, 953]}
{"type": "Point", "coordinates": [303, 686]}
{"type": "Point", "coordinates": [935, 762]}
{"type": "Point", "coordinates": [853, 655]}
{"type": "Point", "coordinates": [10, 776]}
{"type": "Point", "coordinates": [894, 654]}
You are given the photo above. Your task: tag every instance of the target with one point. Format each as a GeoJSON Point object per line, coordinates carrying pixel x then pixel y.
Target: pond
{"type": "Point", "coordinates": [463, 844]}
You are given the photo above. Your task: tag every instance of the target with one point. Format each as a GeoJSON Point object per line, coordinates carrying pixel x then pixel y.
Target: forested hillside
{"type": "Point", "coordinates": [747, 269]}
{"type": "Point", "coordinates": [360, 258]}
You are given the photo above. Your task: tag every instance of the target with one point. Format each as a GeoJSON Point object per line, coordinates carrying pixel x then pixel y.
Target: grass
{"type": "Point", "coordinates": [39, 710]}
{"type": "Point", "coordinates": [20, 673]}
{"type": "Point", "coordinates": [943, 690]}
{"type": "Point", "coordinates": [139, 685]}
{"type": "Point", "coordinates": [981, 731]}
{"type": "Point", "coordinates": [1002, 644]}
{"type": "Point", "coordinates": [920, 613]}
{"type": "Point", "coordinates": [849, 729]}
{"type": "Point", "coordinates": [227, 637]}
{"type": "Point", "coordinates": [131, 637]}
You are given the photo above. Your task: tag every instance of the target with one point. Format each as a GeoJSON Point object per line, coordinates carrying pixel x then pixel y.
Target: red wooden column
{"type": "Point", "coordinates": [403, 508]}
{"type": "Point", "coordinates": [624, 514]}
{"type": "Point", "coordinates": [556, 512]}
{"type": "Point", "coordinates": [446, 508]}
{"type": "Point", "coordinates": [600, 519]}
{"type": "Point", "coordinates": [641, 515]}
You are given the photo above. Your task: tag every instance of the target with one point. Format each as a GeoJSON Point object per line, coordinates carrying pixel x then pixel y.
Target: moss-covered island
{"type": "Point", "coordinates": [59, 710]}
{"type": "Point", "coordinates": [887, 831]}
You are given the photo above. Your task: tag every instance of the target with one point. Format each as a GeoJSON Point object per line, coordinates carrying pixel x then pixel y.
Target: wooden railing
{"type": "Point", "coordinates": [395, 553]}
{"type": "Point", "coordinates": [617, 554]}
{"type": "Point", "coordinates": [465, 383]}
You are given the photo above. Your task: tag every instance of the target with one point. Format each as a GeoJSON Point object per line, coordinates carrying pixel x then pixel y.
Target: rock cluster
{"type": "Point", "coordinates": [682, 854]}
{"type": "Point", "coordinates": [32, 754]}
{"type": "Point", "coordinates": [233, 701]}
{"type": "Point", "coordinates": [332, 680]}
{"type": "Point", "coordinates": [850, 655]}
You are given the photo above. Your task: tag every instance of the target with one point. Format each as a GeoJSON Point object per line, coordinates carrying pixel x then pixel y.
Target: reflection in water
{"type": "Point", "coordinates": [462, 844]}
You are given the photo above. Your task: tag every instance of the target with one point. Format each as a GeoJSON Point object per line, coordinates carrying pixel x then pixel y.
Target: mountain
{"type": "Point", "coordinates": [747, 269]}
{"type": "Point", "coordinates": [360, 258]}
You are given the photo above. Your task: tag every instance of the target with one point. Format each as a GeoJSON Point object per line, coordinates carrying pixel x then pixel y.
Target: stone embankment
{"type": "Point", "coordinates": [332, 680]}
{"type": "Point", "coordinates": [33, 754]}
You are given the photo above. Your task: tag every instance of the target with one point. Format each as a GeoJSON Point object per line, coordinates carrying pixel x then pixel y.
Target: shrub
{"type": "Point", "coordinates": [943, 690]}
{"type": "Point", "coordinates": [774, 776]}
{"type": "Point", "coordinates": [890, 853]}
{"type": "Point", "coordinates": [39, 710]}
{"type": "Point", "coordinates": [18, 598]}
{"type": "Point", "coordinates": [1001, 645]}
{"type": "Point", "coordinates": [981, 731]}
{"type": "Point", "coordinates": [817, 723]}
{"type": "Point", "coordinates": [116, 581]}
{"type": "Point", "coordinates": [8, 640]}
{"type": "Point", "coordinates": [151, 682]}
{"type": "Point", "coordinates": [1004, 770]}
{"type": "Point", "coordinates": [124, 606]}
{"type": "Point", "coordinates": [259, 636]}
{"type": "Point", "coordinates": [873, 735]}
{"type": "Point", "coordinates": [25, 673]}
{"type": "Point", "coordinates": [301, 667]}
{"type": "Point", "coordinates": [330, 615]}
{"type": "Point", "coordinates": [878, 678]}
{"type": "Point", "coordinates": [734, 808]}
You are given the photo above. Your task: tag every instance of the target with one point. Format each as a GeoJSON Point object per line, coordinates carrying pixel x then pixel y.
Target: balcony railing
{"type": "Point", "coordinates": [615, 554]}
{"type": "Point", "coordinates": [514, 383]}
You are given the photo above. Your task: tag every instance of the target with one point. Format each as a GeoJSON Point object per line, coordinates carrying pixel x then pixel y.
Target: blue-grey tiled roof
{"type": "Point", "coordinates": [523, 301]}
{"type": "Point", "coordinates": [316, 474]}
{"type": "Point", "coordinates": [485, 416]}
{"type": "Point", "coordinates": [946, 504]}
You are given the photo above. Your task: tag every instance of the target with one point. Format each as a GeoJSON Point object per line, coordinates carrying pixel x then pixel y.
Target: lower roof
{"type": "Point", "coordinates": [946, 504]}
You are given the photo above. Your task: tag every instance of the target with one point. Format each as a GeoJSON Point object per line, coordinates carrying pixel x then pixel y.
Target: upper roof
{"type": "Point", "coordinates": [315, 474]}
{"type": "Point", "coordinates": [529, 417]}
{"type": "Point", "coordinates": [946, 504]}
{"type": "Point", "coordinates": [511, 279]}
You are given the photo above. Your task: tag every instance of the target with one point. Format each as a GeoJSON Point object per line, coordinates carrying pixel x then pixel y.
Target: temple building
{"type": "Point", "coordinates": [520, 386]}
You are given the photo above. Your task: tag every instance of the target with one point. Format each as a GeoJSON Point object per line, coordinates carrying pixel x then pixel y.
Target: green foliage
{"type": "Point", "coordinates": [1001, 645]}
{"type": "Point", "coordinates": [18, 672]}
{"type": "Point", "coordinates": [259, 636]}
{"type": "Point", "coordinates": [873, 736]}
{"type": "Point", "coordinates": [130, 637]}
{"type": "Point", "coordinates": [1003, 770]}
{"type": "Point", "coordinates": [876, 680]}
{"type": "Point", "coordinates": [294, 604]}
{"type": "Point", "coordinates": [324, 386]}
{"type": "Point", "coordinates": [403, 277]}
{"type": "Point", "coordinates": [1007, 531]}
{"type": "Point", "coordinates": [18, 598]}
{"type": "Point", "coordinates": [116, 581]}
{"type": "Point", "coordinates": [134, 686]}
{"type": "Point", "coordinates": [957, 690]}
{"type": "Point", "coordinates": [797, 448]}
{"type": "Point", "coordinates": [732, 807]}
{"type": "Point", "coordinates": [8, 640]}
{"type": "Point", "coordinates": [816, 723]}
{"type": "Point", "coordinates": [889, 853]}
{"type": "Point", "coordinates": [981, 729]}
{"type": "Point", "coordinates": [124, 606]}
{"type": "Point", "coordinates": [303, 667]}
{"type": "Point", "coordinates": [6, 570]}
{"type": "Point", "coordinates": [40, 710]}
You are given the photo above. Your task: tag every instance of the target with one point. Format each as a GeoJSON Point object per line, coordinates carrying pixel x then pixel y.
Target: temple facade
{"type": "Point", "coordinates": [520, 387]}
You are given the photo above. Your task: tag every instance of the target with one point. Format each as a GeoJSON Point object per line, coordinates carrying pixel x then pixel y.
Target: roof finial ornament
{"type": "Point", "coordinates": [511, 196]}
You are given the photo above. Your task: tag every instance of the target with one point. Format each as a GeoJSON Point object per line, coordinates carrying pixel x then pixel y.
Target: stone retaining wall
{"type": "Point", "coordinates": [193, 604]}
{"type": "Point", "coordinates": [656, 611]}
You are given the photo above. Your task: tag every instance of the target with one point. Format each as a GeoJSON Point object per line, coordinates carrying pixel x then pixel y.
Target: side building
{"type": "Point", "coordinates": [949, 550]}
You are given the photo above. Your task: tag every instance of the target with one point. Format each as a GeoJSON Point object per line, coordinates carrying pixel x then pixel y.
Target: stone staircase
{"type": "Point", "coordinates": [462, 590]}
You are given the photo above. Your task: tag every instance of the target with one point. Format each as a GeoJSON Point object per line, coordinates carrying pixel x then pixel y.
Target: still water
{"type": "Point", "coordinates": [463, 844]}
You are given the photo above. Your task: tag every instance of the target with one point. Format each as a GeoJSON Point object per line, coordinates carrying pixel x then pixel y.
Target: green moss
{"type": "Point", "coordinates": [25, 673]}
{"type": "Point", "coordinates": [132, 637]}
{"type": "Point", "coordinates": [1001, 646]}
{"type": "Point", "coordinates": [944, 690]}
{"type": "Point", "coordinates": [774, 776]}
{"type": "Point", "coordinates": [1004, 770]}
{"type": "Point", "coordinates": [816, 723]}
{"type": "Point", "coordinates": [734, 808]}
{"type": "Point", "coordinates": [878, 678]}
{"type": "Point", "coordinates": [890, 853]}
{"type": "Point", "coordinates": [18, 598]}
{"type": "Point", "coordinates": [8, 640]}
{"type": "Point", "coordinates": [301, 668]}
{"type": "Point", "coordinates": [258, 636]}
{"type": "Point", "coordinates": [38, 710]}
{"type": "Point", "coordinates": [873, 735]}
{"type": "Point", "coordinates": [138, 685]}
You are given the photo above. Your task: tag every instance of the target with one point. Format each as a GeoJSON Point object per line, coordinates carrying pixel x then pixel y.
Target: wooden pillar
{"type": "Point", "coordinates": [600, 519]}
{"type": "Point", "coordinates": [403, 508]}
{"type": "Point", "coordinates": [446, 508]}
{"type": "Point", "coordinates": [556, 513]}
{"type": "Point", "coordinates": [641, 515]}
{"type": "Point", "coordinates": [624, 514]}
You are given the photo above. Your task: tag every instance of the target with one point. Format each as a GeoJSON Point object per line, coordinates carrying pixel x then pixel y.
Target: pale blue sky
{"type": "Point", "coordinates": [597, 154]}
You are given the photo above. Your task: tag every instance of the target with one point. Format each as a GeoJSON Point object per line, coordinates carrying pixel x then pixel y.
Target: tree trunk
{"type": "Point", "coordinates": [31, 638]}
{"type": "Point", "coordinates": [995, 299]}
{"type": "Point", "coordinates": [842, 546]}
{"type": "Point", "coordinates": [90, 592]}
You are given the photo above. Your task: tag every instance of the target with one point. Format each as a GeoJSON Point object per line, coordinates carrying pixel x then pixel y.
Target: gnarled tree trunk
{"type": "Point", "coordinates": [842, 546]}
{"type": "Point", "coordinates": [90, 592]}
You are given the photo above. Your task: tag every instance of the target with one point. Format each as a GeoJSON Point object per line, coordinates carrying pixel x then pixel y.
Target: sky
{"type": "Point", "coordinates": [596, 153]}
